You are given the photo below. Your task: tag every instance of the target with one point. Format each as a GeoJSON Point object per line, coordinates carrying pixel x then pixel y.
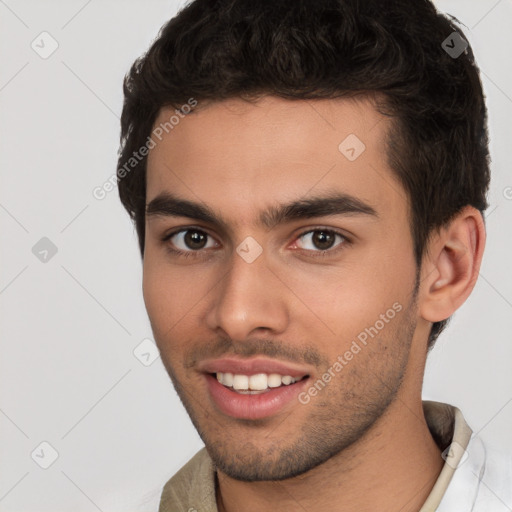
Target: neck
{"type": "Point", "coordinates": [394, 465]}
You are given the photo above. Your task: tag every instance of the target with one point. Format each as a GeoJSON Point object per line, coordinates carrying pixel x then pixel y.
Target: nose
{"type": "Point", "coordinates": [249, 298]}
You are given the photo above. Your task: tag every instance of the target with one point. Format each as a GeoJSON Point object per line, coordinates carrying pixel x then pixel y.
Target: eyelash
{"type": "Point", "coordinates": [315, 254]}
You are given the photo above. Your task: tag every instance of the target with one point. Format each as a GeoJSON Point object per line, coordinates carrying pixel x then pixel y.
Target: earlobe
{"type": "Point", "coordinates": [450, 270]}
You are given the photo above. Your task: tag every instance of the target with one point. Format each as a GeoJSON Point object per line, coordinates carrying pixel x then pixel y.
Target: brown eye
{"type": "Point", "coordinates": [195, 239]}
{"type": "Point", "coordinates": [320, 240]}
{"type": "Point", "coordinates": [190, 240]}
{"type": "Point", "coordinates": [323, 239]}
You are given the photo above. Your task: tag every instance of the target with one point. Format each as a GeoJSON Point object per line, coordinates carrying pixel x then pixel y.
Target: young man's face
{"type": "Point", "coordinates": [330, 296]}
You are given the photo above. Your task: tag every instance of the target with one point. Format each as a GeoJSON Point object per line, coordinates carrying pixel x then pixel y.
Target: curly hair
{"type": "Point", "coordinates": [310, 49]}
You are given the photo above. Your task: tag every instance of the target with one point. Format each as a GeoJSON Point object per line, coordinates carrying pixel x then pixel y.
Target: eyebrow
{"type": "Point", "coordinates": [169, 205]}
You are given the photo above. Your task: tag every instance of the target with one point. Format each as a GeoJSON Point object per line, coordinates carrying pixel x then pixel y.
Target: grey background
{"type": "Point", "coordinates": [70, 325]}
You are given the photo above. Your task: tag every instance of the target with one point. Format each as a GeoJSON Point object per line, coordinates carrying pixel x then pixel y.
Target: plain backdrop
{"type": "Point", "coordinates": [71, 325]}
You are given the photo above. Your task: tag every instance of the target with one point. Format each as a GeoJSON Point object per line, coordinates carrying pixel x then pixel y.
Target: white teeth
{"type": "Point", "coordinates": [274, 380]}
{"type": "Point", "coordinates": [257, 382]}
{"type": "Point", "coordinates": [240, 382]}
{"type": "Point", "coordinates": [287, 380]}
{"type": "Point", "coordinates": [227, 379]}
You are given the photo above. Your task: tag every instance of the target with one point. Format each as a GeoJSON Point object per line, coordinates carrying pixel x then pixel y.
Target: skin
{"type": "Point", "coordinates": [362, 441]}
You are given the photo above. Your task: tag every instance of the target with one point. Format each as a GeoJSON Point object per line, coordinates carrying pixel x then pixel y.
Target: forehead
{"type": "Point", "coordinates": [241, 156]}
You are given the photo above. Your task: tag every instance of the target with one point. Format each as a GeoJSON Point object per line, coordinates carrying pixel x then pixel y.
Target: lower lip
{"type": "Point", "coordinates": [252, 407]}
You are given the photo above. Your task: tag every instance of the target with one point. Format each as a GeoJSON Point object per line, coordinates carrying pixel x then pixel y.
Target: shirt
{"type": "Point", "coordinates": [474, 477]}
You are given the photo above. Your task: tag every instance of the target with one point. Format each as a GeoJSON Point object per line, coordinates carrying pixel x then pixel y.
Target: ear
{"type": "Point", "coordinates": [451, 264]}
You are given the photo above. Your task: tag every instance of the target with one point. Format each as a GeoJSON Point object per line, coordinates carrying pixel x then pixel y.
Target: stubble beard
{"type": "Point", "coordinates": [338, 417]}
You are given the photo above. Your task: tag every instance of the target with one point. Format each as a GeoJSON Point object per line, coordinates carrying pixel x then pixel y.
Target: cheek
{"type": "Point", "coordinates": [163, 311]}
{"type": "Point", "coordinates": [159, 287]}
{"type": "Point", "coordinates": [337, 304]}
{"type": "Point", "coordinates": [172, 295]}
{"type": "Point", "coordinates": [154, 285]}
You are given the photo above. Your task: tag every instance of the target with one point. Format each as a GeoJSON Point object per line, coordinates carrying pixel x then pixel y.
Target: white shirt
{"type": "Point", "coordinates": [475, 477]}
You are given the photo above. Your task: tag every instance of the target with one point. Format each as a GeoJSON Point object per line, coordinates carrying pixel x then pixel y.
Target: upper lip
{"type": "Point", "coordinates": [252, 366]}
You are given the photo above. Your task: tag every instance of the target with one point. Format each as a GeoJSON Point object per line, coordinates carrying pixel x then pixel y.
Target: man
{"type": "Point", "coordinates": [307, 179]}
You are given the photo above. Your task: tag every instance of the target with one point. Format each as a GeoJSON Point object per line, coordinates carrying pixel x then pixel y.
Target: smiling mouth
{"type": "Point", "coordinates": [255, 384]}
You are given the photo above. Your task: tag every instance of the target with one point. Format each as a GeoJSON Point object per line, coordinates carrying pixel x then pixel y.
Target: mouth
{"type": "Point", "coordinates": [255, 384]}
{"type": "Point", "coordinates": [254, 388]}
{"type": "Point", "coordinates": [254, 397]}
